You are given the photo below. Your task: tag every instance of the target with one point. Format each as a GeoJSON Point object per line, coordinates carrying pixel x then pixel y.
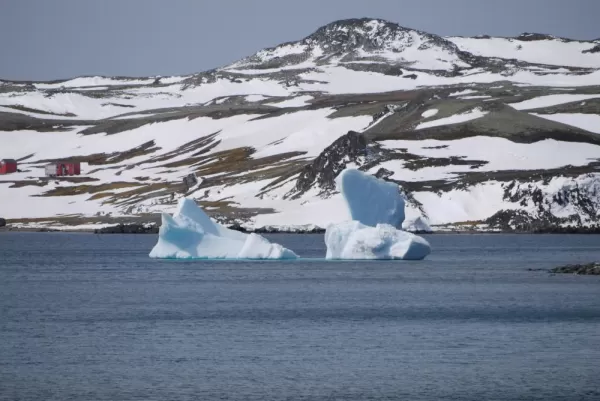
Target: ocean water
{"type": "Point", "coordinates": [91, 317]}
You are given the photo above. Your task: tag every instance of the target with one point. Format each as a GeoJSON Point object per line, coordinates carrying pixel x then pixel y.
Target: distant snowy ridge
{"type": "Point", "coordinates": [374, 40]}
{"type": "Point", "coordinates": [459, 123]}
{"type": "Point", "coordinates": [532, 48]}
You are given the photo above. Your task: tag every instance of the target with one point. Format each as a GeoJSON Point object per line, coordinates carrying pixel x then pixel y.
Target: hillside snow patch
{"type": "Point", "coordinates": [455, 119]}
{"type": "Point", "coordinates": [429, 113]}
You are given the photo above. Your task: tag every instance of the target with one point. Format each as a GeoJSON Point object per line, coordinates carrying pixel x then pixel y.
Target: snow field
{"type": "Point", "coordinates": [588, 122]}
{"type": "Point", "coordinates": [553, 52]}
{"type": "Point", "coordinates": [551, 100]}
{"type": "Point", "coordinates": [455, 119]}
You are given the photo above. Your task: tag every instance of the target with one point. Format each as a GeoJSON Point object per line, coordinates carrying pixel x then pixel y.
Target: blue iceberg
{"type": "Point", "coordinates": [191, 234]}
{"type": "Point", "coordinates": [377, 210]}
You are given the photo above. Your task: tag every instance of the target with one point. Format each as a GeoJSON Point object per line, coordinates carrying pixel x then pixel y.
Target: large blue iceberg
{"type": "Point", "coordinates": [377, 210]}
{"type": "Point", "coordinates": [191, 234]}
{"type": "Point", "coordinates": [371, 200]}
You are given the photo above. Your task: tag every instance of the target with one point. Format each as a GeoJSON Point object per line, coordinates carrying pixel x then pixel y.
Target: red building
{"type": "Point", "coordinates": [8, 166]}
{"type": "Point", "coordinates": [62, 169]}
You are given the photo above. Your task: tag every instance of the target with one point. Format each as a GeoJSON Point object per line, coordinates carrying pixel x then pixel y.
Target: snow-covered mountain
{"type": "Point", "coordinates": [489, 133]}
{"type": "Point", "coordinates": [358, 41]}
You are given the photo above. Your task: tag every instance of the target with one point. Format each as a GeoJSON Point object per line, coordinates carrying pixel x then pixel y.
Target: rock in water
{"type": "Point", "coordinates": [377, 210]}
{"type": "Point", "coordinates": [354, 240]}
{"type": "Point", "coordinates": [191, 234]}
{"type": "Point", "coordinates": [592, 269]}
{"type": "Point", "coordinates": [371, 200]}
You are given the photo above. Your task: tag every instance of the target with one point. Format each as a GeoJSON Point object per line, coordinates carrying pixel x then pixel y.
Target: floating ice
{"type": "Point", "coordinates": [191, 234]}
{"type": "Point", "coordinates": [353, 240]}
{"type": "Point", "coordinates": [370, 200]}
{"type": "Point", "coordinates": [418, 224]}
{"type": "Point", "coordinates": [377, 210]}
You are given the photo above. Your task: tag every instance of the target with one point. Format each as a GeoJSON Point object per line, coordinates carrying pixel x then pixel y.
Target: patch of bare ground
{"type": "Point", "coordinates": [78, 220]}
{"type": "Point", "coordinates": [223, 211]}
{"type": "Point", "coordinates": [198, 146]}
{"type": "Point", "coordinates": [416, 162]}
{"type": "Point", "coordinates": [101, 195]}
{"type": "Point", "coordinates": [192, 160]}
{"type": "Point", "coordinates": [237, 166]}
{"type": "Point", "coordinates": [16, 121]}
{"type": "Point", "coordinates": [589, 106]}
{"type": "Point", "coordinates": [105, 168]}
{"type": "Point", "coordinates": [109, 158]}
{"type": "Point", "coordinates": [159, 191]}
{"type": "Point", "coordinates": [501, 121]}
{"type": "Point", "coordinates": [464, 180]}
{"type": "Point", "coordinates": [38, 111]}
{"type": "Point", "coordinates": [72, 179]}
{"type": "Point", "coordinates": [22, 159]}
{"type": "Point", "coordinates": [88, 189]}
{"type": "Point", "coordinates": [116, 126]}
{"type": "Point", "coordinates": [24, 183]}
{"type": "Point", "coordinates": [127, 106]}
{"type": "Point", "coordinates": [43, 181]}
{"type": "Point", "coordinates": [384, 97]}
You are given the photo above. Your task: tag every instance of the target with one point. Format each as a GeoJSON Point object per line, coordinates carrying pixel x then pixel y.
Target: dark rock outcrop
{"type": "Point", "coordinates": [384, 173]}
{"type": "Point", "coordinates": [508, 220]}
{"type": "Point", "coordinates": [2, 222]}
{"type": "Point", "coordinates": [347, 40]}
{"type": "Point", "coordinates": [531, 37]}
{"type": "Point", "coordinates": [47, 230]}
{"type": "Point", "coordinates": [544, 223]}
{"type": "Point", "coordinates": [129, 229]}
{"type": "Point", "coordinates": [595, 49]}
{"type": "Point", "coordinates": [237, 227]}
{"type": "Point", "coordinates": [321, 173]}
{"type": "Point", "coordinates": [584, 269]}
{"type": "Point", "coordinates": [583, 199]}
{"type": "Point", "coordinates": [567, 230]}
{"type": "Point", "coordinates": [273, 230]}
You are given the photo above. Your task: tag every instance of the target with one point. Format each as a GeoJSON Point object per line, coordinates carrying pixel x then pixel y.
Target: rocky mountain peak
{"type": "Point", "coordinates": [532, 36]}
{"type": "Point", "coordinates": [372, 35]}
{"type": "Point", "coordinates": [364, 39]}
{"type": "Point", "coordinates": [361, 29]}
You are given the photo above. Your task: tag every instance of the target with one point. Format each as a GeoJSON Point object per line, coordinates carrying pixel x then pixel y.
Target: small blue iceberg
{"type": "Point", "coordinates": [191, 234]}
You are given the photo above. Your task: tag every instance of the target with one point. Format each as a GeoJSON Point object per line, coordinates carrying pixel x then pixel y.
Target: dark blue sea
{"type": "Point", "coordinates": [90, 317]}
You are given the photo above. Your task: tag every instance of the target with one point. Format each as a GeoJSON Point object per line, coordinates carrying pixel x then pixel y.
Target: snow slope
{"type": "Point", "coordinates": [456, 119]}
{"type": "Point", "coordinates": [361, 40]}
{"type": "Point", "coordinates": [551, 100]}
{"type": "Point", "coordinates": [268, 135]}
{"type": "Point", "coordinates": [588, 122]}
{"type": "Point", "coordinates": [553, 51]}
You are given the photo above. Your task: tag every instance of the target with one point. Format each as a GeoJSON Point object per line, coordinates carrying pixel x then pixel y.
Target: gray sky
{"type": "Point", "coordinates": [51, 39]}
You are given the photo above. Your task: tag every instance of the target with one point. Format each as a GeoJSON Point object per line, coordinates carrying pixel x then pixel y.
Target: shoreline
{"type": "Point", "coordinates": [140, 229]}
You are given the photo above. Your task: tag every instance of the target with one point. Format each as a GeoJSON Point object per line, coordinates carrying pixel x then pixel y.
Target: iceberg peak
{"type": "Point", "coordinates": [377, 210]}
{"type": "Point", "coordinates": [371, 200]}
{"type": "Point", "coordinates": [192, 234]}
